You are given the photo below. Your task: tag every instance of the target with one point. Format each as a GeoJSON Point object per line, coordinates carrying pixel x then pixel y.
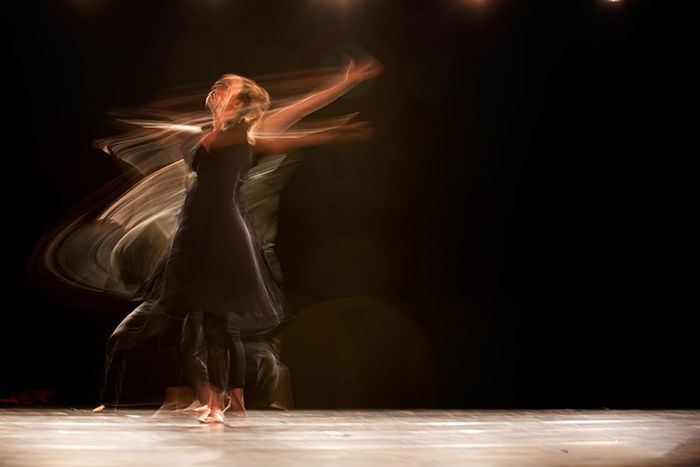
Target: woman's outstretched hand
{"type": "Point", "coordinates": [359, 71]}
{"type": "Point", "coordinates": [354, 131]}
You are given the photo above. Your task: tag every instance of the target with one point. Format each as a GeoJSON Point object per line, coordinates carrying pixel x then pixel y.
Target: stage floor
{"type": "Point", "coordinates": [71, 437]}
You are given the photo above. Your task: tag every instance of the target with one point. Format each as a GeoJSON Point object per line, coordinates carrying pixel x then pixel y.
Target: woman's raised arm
{"type": "Point", "coordinates": [278, 121]}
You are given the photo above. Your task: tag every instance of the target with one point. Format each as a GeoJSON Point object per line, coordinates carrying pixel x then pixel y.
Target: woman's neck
{"type": "Point", "coordinates": [226, 124]}
{"type": "Point", "coordinates": [227, 136]}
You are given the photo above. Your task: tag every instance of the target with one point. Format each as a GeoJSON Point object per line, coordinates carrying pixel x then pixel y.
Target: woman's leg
{"type": "Point", "coordinates": [237, 365]}
{"type": "Point", "coordinates": [136, 328]}
{"type": "Point", "coordinates": [194, 358]}
{"type": "Point", "coordinates": [224, 334]}
{"type": "Point", "coordinates": [178, 393]}
{"type": "Point", "coordinates": [217, 365]}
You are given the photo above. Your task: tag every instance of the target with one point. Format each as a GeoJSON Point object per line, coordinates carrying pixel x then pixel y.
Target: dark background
{"type": "Point", "coordinates": [515, 235]}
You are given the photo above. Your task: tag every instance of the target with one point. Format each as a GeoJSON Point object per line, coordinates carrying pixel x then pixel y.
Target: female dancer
{"type": "Point", "coordinates": [213, 273]}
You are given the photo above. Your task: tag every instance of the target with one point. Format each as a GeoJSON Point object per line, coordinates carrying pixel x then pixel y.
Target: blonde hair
{"type": "Point", "coordinates": [254, 96]}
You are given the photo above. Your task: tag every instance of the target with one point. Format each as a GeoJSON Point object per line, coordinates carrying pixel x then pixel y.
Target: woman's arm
{"type": "Point", "coordinates": [279, 145]}
{"type": "Point", "coordinates": [280, 120]}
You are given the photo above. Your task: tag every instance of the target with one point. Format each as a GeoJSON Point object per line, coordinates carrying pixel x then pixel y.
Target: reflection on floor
{"type": "Point", "coordinates": [72, 437]}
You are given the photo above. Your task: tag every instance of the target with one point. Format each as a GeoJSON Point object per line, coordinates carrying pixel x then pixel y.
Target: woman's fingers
{"type": "Point", "coordinates": [354, 131]}
{"type": "Point", "coordinates": [348, 63]}
{"type": "Point", "coordinates": [355, 125]}
{"type": "Point", "coordinates": [367, 68]}
{"type": "Point", "coordinates": [345, 119]}
{"type": "Point", "coordinates": [348, 60]}
{"type": "Point", "coordinates": [372, 66]}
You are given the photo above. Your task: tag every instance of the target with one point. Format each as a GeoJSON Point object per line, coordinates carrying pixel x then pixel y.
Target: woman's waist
{"type": "Point", "coordinates": [214, 190]}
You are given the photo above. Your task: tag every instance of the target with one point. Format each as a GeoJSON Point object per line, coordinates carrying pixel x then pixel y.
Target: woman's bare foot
{"type": "Point", "coordinates": [202, 403]}
{"type": "Point", "coordinates": [176, 399]}
{"type": "Point", "coordinates": [214, 413]}
{"type": "Point", "coordinates": [165, 410]}
{"type": "Point", "coordinates": [196, 407]}
{"type": "Point", "coordinates": [213, 416]}
{"type": "Point", "coordinates": [236, 405]}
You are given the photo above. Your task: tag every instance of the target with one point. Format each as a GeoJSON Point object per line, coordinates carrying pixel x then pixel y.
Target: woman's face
{"type": "Point", "coordinates": [224, 98]}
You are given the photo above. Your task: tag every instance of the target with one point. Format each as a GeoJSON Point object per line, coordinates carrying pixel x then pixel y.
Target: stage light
{"type": "Point", "coordinates": [474, 4]}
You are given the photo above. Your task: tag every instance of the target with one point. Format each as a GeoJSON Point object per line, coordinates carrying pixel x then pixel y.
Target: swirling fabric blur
{"type": "Point", "coordinates": [112, 241]}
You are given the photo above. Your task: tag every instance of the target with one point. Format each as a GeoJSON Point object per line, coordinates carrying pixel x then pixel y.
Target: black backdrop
{"type": "Point", "coordinates": [513, 236]}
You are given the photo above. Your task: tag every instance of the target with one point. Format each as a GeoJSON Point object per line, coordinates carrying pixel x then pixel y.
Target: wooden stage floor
{"type": "Point", "coordinates": [72, 437]}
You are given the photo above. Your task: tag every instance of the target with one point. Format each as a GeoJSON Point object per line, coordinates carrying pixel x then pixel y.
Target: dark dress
{"type": "Point", "coordinates": [215, 263]}
{"type": "Point", "coordinates": [214, 271]}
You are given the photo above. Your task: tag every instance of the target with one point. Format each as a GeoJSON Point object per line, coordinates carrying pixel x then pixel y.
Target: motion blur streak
{"type": "Point", "coordinates": [111, 242]}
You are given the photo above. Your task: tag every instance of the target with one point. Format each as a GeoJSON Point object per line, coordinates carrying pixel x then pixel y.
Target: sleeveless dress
{"type": "Point", "coordinates": [215, 262]}
{"type": "Point", "coordinates": [214, 265]}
